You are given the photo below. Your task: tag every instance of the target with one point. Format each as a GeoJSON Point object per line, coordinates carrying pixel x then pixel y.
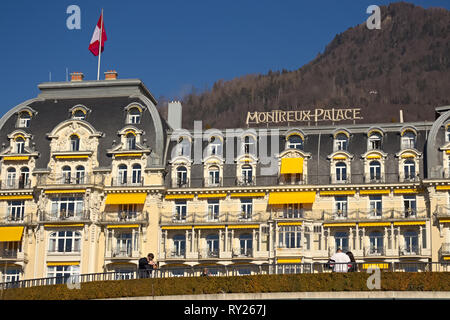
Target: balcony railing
{"type": "Point", "coordinates": [15, 219]}
{"type": "Point", "coordinates": [180, 183]}
{"type": "Point", "coordinates": [70, 179]}
{"type": "Point", "coordinates": [122, 253]}
{"type": "Point", "coordinates": [65, 251]}
{"type": "Point", "coordinates": [209, 182]}
{"type": "Point", "coordinates": [205, 217]}
{"type": "Point", "coordinates": [374, 251]}
{"type": "Point", "coordinates": [209, 254]}
{"type": "Point", "coordinates": [124, 217]}
{"type": "Point", "coordinates": [245, 182]}
{"type": "Point", "coordinates": [396, 213]}
{"type": "Point", "coordinates": [410, 250]}
{"type": "Point", "coordinates": [177, 254]}
{"type": "Point", "coordinates": [129, 182]}
{"type": "Point", "coordinates": [61, 216]}
{"type": "Point", "coordinates": [12, 184]}
{"type": "Point", "coordinates": [242, 253]}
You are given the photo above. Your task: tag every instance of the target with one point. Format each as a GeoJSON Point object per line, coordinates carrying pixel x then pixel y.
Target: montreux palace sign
{"type": "Point", "coordinates": [315, 115]}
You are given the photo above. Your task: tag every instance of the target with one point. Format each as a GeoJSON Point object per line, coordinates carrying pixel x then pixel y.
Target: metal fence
{"type": "Point", "coordinates": [232, 270]}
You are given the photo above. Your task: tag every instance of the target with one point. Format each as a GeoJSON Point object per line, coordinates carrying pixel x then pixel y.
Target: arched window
{"type": "Point", "coordinates": [340, 142]}
{"type": "Point", "coordinates": [249, 145]}
{"type": "Point", "coordinates": [20, 145]}
{"type": "Point", "coordinates": [74, 143]}
{"type": "Point", "coordinates": [183, 148]}
{"type": "Point", "coordinates": [341, 172]}
{"type": "Point", "coordinates": [215, 146]}
{"type": "Point", "coordinates": [11, 178]}
{"type": "Point", "coordinates": [409, 140]}
{"type": "Point", "coordinates": [181, 176]}
{"type": "Point", "coordinates": [246, 245]}
{"type": "Point", "coordinates": [131, 141]}
{"type": "Point", "coordinates": [79, 115]}
{"type": "Point", "coordinates": [179, 245]}
{"type": "Point", "coordinates": [24, 119]}
{"type": "Point", "coordinates": [134, 115]}
{"type": "Point", "coordinates": [24, 180]}
{"type": "Point", "coordinates": [66, 174]}
{"type": "Point", "coordinates": [409, 169]}
{"type": "Point", "coordinates": [376, 243]}
{"type": "Point", "coordinates": [65, 241]}
{"type": "Point", "coordinates": [122, 174]}
{"type": "Point", "coordinates": [214, 176]}
{"type": "Point", "coordinates": [375, 171]}
{"type": "Point", "coordinates": [374, 141]}
{"type": "Point", "coordinates": [247, 174]}
{"type": "Point", "coordinates": [295, 142]}
{"type": "Point", "coordinates": [136, 174]}
{"type": "Point", "coordinates": [80, 175]}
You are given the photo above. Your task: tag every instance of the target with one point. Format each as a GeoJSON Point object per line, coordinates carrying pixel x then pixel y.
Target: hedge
{"type": "Point", "coordinates": [390, 281]}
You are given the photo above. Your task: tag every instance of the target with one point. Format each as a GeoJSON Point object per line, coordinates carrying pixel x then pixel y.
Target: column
{"type": "Point", "coordinates": [392, 237]}
{"type": "Point", "coordinates": [259, 238]}
{"type": "Point", "coordinates": [357, 237]}
{"type": "Point", "coordinates": [226, 239]}
{"type": "Point", "coordinates": [385, 240]}
{"type": "Point", "coordinates": [419, 245]}
{"type": "Point", "coordinates": [232, 239]}
{"type": "Point", "coordinates": [253, 242]}
{"type": "Point", "coordinates": [198, 240]}
{"type": "Point", "coordinates": [187, 249]}
{"type": "Point", "coordinates": [351, 239]}
{"type": "Point", "coordinates": [363, 240]}
{"type": "Point", "coordinates": [221, 244]}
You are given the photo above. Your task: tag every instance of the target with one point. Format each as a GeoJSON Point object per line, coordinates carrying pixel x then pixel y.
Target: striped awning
{"type": "Point", "coordinates": [16, 158]}
{"type": "Point", "coordinates": [11, 234]}
{"type": "Point", "coordinates": [17, 197]}
{"type": "Point", "coordinates": [376, 265]}
{"type": "Point", "coordinates": [126, 198]}
{"type": "Point", "coordinates": [291, 165]}
{"type": "Point", "coordinates": [292, 197]}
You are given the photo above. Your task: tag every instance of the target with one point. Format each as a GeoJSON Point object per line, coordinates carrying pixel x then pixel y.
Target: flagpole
{"type": "Point", "coordinates": [100, 47]}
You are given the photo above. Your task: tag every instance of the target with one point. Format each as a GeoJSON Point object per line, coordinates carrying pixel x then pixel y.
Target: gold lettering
{"type": "Point", "coordinates": [269, 117]}
{"type": "Point", "coordinates": [306, 115]}
{"type": "Point", "coordinates": [327, 115]}
{"type": "Point", "coordinates": [290, 116]}
{"type": "Point", "coordinates": [339, 115]}
{"type": "Point", "coordinates": [348, 117]}
{"type": "Point", "coordinates": [253, 117]}
{"type": "Point", "coordinates": [318, 113]}
{"type": "Point", "coordinates": [356, 114]}
{"type": "Point", "coordinates": [298, 113]}
{"type": "Point", "coordinates": [282, 116]}
{"type": "Point", "coordinates": [263, 118]}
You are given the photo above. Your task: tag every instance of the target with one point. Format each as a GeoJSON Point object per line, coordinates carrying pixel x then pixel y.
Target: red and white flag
{"type": "Point", "coordinates": [95, 41]}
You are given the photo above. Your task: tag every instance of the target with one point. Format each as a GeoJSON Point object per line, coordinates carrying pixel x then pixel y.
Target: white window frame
{"type": "Point", "coordinates": [16, 210]}
{"type": "Point", "coordinates": [56, 239]}
{"type": "Point", "coordinates": [180, 211]}
{"type": "Point", "coordinates": [213, 208]}
{"type": "Point", "coordinates": [290, 237]}
{"type": "Point", "coordinates": [375, 206]}
{"type": "Point", "coordinates": [246, 209]}
{"type": "Point", "coordinates": [341, 206]}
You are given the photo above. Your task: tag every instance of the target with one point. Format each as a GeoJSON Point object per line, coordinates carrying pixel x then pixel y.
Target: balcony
{"type": "Point", "coordinates": [15, 184]}
{"type": "Point", "coordinates": [127, 182]}
{"type": "Point", "coordinates": [209, 254]}
{"type": "Point", "coordinates": [181, 183]}
{"type": "Point", "coordinates": [212, 182]}
{"type": "Point", "coordinates": [221, 217]}
{"type": "Point", "coordinates": [242, 253]}
{"type": "Point", "coordinates": [444, 250]}
{"type": "Point", "coordinates": [373, 251]}
{"type": "Point", "coordinates": [18, 219]}
{"type": "Point", "coordinates": [244, 182]}
{"type": "Point", "coordinates": [64, 216]}
{"type": "Point", "coordinates": [176, 254]}
{"type": "Point", "coordinates": [123, 217]}
{"type": "Point", "coordinates": [71, 180]}
{"type": "Point", "coordinates": [124, 253]}
{"type": "Point", "coordinates": [410, 251]}
{"type": "Point", "coordinates": [13, 254]}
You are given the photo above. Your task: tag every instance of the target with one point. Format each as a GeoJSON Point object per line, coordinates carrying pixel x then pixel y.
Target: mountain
{"type": "Point", "coordinates": [404, 65]}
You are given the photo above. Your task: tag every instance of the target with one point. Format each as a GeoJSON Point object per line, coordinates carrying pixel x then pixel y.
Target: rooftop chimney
{"type": "Point", "coordinates": [111, 75]}
{"type": "Point", "coordinates": [76, 76]}
{"type": "Point", "coordinates": [174, 114]}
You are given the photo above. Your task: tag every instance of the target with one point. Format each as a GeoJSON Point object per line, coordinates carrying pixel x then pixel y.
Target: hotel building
{"type": "Point", "coordinates": [93, 178]}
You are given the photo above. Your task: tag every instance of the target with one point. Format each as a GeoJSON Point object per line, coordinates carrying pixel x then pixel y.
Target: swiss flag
{"type": "Point", "coordinates": [94, 45]}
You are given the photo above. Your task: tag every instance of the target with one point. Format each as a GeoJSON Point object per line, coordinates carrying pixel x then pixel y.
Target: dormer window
{"type": "Point", "coordinates": [134, 115]}
{"type": "Point", "coordinates": [215, 146]}
{"type": "Point", "coordinates": [295, 142]}
{"type": "Point", "coordinates": [131, 141]}
{"type": "Point", "coordinates": [447, 134]}
{"type": "Point", "coordinates": [409, 140]}
{"type": "Point", "coordinates": [340, 142]}
{"type": "Point", "coordinates": [79, 115]}
{"type": "Point", "coordinates": [20, 145]}
{"type": "Point", "coordinates": [374, 141]}
{"type": "Point", "coordinates": [24, 119]}
{"type": "Point", "coordinates": [74, 143]}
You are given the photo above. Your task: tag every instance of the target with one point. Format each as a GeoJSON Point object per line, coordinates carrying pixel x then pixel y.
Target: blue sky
{"type": "Point", "coordinates": [170, 45]}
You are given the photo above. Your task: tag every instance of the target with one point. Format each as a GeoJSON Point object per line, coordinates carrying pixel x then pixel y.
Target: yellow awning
{"type": "Point", "coordinates": [374, 156]}
{"type": "Point", "coordinates": [248, 194]}
{"type": "Point", "coordinates": [211, 195]}
{"type": "Point", "coordinates": [63, 263]}
{"type": "Point", "coordinates": [24, 197]}
{"type": "Point", "coordinates": [297, 223]}
{"type": "Point", "coordinates": [210, 227]}
{"type": "Point", "coordinates": [65, 191]}
{"type": "Point", "coordinates": [408, 155]}
{"type": "Point", "coordinates": [72, 157]}
{"type": "Point", "coordinates": [446, 258]}
{"type": "Point", "coordinates": [115, 226]}
{"type": "Point", "coordinates": [11, 234]}
{"type": "Point", "coordinates": [128, 155]}
{"type": "Point", "coordinates": [441, 220]}
{"type": "Point", "coordinates": [374, 224]}
{"type": "Point", "coordinates": [372, 192]}
{"type": "Point", "coordinates": [340, 158]}
{"type": "Point", "coordinates": [409, 223]}
{"type": "Point", "coordinates": [179, 196]}
{"type": "Point", "coordinates": [338, 193]}
{"type": "Point", "coordinates": [289, 260]}
{"type": "Point", "coordinates": [63, 225]}
{"type": "Point", "coordinates": [399, 191]}
{"type": "Point", "coordinates": [18, 158]}
{"type": "Point", "coordinates": [244, 226]}
{"type": "Point", "coordinates": [349, 224]}
{"type": "Point", "coordinates": [292, 197]}
{"type": "Point", "coordinates": [291, 165]}
{"type": "Point", "coordinates": [176, 228]}
{"type": "Point", "coordinates": [126, 198]}
{"type": "Point", "coordinates": [443, 188]}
